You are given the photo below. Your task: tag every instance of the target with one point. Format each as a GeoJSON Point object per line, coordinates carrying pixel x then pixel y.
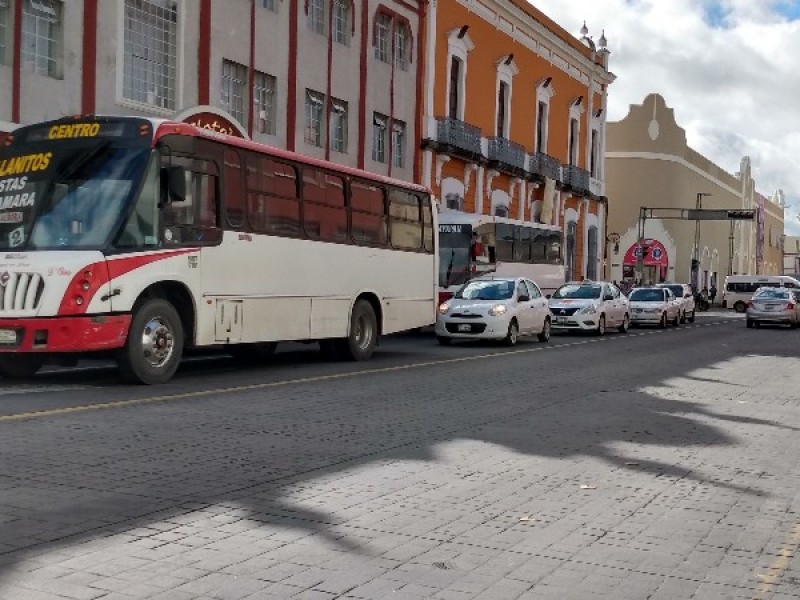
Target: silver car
{"type": "Point", "coordinates": [593, 306]}
{"type": "Point", "coordinates": [654, 306]}
{"type": "Point", "coordinates": [773, 305]}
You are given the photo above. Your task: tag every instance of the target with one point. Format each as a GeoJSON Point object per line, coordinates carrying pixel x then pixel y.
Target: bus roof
{"type": "Point", "coordinates": [165, 127]}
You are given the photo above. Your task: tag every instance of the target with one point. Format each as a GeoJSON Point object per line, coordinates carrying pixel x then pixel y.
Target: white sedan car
{"type": "Point", "coordinates": [494, 308]}
{"type": "Point", "coordinates": [589, 306]}
{"type": "Point", "coordinates": [654, 306]}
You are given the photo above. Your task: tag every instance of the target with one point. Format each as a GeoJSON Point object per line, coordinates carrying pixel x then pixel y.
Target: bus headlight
{"type": "Point", "coordinates": [497, 309]}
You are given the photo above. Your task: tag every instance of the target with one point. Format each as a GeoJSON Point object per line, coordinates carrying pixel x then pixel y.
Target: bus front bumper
{"type": "Point", "coordinates": [64, 334]}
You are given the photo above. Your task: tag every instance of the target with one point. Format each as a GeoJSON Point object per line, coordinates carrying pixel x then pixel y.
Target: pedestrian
{"type": "Point", "coordinates": [704, 293]}
{"type": "Point", "coordinates": [712, 293]}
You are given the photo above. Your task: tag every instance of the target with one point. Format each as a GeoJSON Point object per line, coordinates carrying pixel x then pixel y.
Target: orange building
{"type": "Point", "coordinates": [514, 119]}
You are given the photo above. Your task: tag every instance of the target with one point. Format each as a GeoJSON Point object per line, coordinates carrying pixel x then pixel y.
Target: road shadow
{"type": "Point", "coordinates": [72, 479]}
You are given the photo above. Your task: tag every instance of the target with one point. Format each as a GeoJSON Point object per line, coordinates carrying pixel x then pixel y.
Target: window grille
{"type": "Point", "coordinates": [379, 138]}
{"type": "Point", "coordinates": [41, 36]}
{"type": "Point", "coordinates": [401, 47]}
{"type": "Point", "coordinates": [264, 101]}
{"type": "Point", "coordinates": [234, 82]}
{"type": "Point", "coordinates": [314, 118]}
{"type": "Point", "coordinates": [341, 22]}
{"type": "Point", "coordinates": [150, 39]}
{"type": "Point", "coordinates": [382, 28]}
{"type": "Point", "coordinates": [398, 143]}
{"type": "Point", "coordinates": [338, 125]}
{"type": "Point", "coordinates": [4, 10]}
{"type": "Point", "coordinates": [316, 16]}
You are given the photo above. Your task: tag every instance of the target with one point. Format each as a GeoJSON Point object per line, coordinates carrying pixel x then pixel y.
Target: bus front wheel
{"type": "Point", "coordinates": [154, 346]}
{"type": "Point", "coordinates": [20, 366]}
{"type": "Point", "coordinates": [363, 337]}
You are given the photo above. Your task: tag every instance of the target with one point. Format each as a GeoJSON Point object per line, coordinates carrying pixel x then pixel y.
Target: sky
{"type": "Point", "coordinates": [730, 69]}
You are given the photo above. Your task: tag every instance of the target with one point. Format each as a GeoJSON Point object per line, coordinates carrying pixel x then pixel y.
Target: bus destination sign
{"type": "Point", "coordinates": [72, 131]}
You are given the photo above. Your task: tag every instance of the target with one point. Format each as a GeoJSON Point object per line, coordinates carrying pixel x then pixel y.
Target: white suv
{"type": "Point", "coordinates": [589, 306]}
{"type": "Point", "coordinates": [685, 298]}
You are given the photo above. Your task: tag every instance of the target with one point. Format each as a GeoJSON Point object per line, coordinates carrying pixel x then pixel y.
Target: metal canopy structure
{"type": "Point", "coordinates": [690, 214]}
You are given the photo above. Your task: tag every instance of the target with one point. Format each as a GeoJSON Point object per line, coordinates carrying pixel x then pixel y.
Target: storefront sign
{"type": "Point", "coordinates": [655, 254]}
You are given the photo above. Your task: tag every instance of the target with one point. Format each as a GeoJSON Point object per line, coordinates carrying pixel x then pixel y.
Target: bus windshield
{"type": "Point", "coordinates": [66, 196]}
{"type": "Point", "coordinates": [454, 254]}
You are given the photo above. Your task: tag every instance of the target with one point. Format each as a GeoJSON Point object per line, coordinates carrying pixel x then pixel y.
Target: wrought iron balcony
{"type": "Point", "coordinates": [544, 165]}
{"type": "Point", "coordinates": [458, 137]}
{"type": "Point", "coordinates": [506, 155]}
{"type": "Point", "coordinates": [578, 179]}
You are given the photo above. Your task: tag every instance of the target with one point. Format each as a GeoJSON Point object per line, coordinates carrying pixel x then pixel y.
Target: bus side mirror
{"type": "Point", "coordinates": [174, 180]}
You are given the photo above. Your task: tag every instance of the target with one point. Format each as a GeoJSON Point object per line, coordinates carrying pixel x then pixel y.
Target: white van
{"type": "Point", "coordinates": [740, 288]}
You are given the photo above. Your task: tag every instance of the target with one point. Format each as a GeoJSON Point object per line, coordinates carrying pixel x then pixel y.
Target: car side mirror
{"type": "Point", "coordinates": [523, 298]}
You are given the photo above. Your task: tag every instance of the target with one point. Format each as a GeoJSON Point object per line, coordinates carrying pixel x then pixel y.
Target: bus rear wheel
{"type": "Point", "coordinates": [154, 347]}
{"type": "Point", "coordinates": [363, 337]}
{"type": "Point", "coordinates": [20, 366]}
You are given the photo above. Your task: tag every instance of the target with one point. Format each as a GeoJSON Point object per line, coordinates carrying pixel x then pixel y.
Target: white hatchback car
{"type": "Point", "coordinates": [654, 306]}
{"type": "Point", "coordinates": [589, 306]}
{"type": "Point", "coordinates": [685, 299]}
{"type": "Point", "coordinates": [494, 308]}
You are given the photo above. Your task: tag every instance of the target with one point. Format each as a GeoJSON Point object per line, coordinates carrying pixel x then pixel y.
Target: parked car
{"type": "Point", "coordinates": [589, 306]}
{"type": "Point", "coordinates": [495, 308]}
{"type": "Point", "coordinates": [685, 297]}
{"type": "Point", "coordinates": [774, 305]}
{"type": "Point", "coordinates": [654, 306]}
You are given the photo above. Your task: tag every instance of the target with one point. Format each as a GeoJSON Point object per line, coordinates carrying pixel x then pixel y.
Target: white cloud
{"type": "Point", "coordinates": [728, 68]}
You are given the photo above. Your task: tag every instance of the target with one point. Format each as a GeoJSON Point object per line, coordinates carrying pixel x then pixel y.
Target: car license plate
{"type": "Point", "coordinates": [560, 319]}
{"type": "Point", "coordinates": [465, 327]}
{"type": "Point", "coordinates": [8, 336]}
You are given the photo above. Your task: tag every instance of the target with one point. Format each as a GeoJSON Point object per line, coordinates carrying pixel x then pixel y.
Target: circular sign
{"type": "Point", "coordinates": [655, 254]}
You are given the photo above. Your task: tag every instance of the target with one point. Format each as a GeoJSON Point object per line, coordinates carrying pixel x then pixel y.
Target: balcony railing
{"type": "Point", "coordinates": [545, 166]}
{"type": "Point", "coordinates": [577, 178]}
{"type": "Point", "coordinates": [457, 134]}
{"type": "Point", "coordinates": [506, 153]}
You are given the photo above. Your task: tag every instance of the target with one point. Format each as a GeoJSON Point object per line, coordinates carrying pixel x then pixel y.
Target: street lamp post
{"type": "Point", "coordinates": [696, 253]}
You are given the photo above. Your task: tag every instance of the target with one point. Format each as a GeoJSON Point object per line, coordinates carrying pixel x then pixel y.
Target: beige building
{"type": "Point", "coordinates": [649, 164]}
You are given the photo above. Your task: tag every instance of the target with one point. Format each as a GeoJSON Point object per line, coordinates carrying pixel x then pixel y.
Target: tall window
{"type": "Point", "coordinates": [264, 102]}
{"type": "Point", "coordinates": [338, 125]}
{"type": "Point", "coordinates": [572, 233]}
{"type": "Point", "coordinates": [150, 37]}
{"type": "Point", "coordinates": [41, 36]}
{"type": "Point", "coordinates": [4, 10]}
{"type": "Point", "coordinates": [502, 101]}
{"type": "Point", "coordinates": [234, 83]}
{"type": "Point", "coordinates": [594, 154]}
{"type": "Point", "coordinates": [383, 26]}
{"type": "Point", "coordinates": [398, 143]}
{"type": "Point", "coordinates": [314, 118]}
{"type": "Point", "coordinates": [341, 22]}
{"type": "Point", "coordinates": [316, 16]}
{"type": "Point", "coordinates": [455, 83]}
{"type": "Point", "coordinates": [541, 128]}
{"type": "Point", "coordinates": [591, 264]}
{"type": "Point", "coordinates": [379, 137]}
{"type": "Point", "coordinates": [573, 141]}
{"type": "Point", "coordinates": [401, 46]}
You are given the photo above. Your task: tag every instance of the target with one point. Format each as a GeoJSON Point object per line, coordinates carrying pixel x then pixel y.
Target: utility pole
{"type": "Point", "coordinates": [696, 257]}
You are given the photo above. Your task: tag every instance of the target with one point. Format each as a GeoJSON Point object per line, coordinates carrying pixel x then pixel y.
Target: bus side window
{"type": "Point", "coordinates": [188, 220]}
{"type": "Point", "coordinates": [367, 213]}
{"type": "Point", "coordinates": [234, 197]}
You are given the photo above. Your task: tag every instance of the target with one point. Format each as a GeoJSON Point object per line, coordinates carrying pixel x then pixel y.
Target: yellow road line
{"type": "Point", "coordinates": [259, 386]}
{"type": "Point", "coordinates": [780, 564]}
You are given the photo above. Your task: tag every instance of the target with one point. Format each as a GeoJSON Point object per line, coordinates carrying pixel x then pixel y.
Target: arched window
{"type": "Point", "coordinates": [501, 210]}
{"type": "Point", "coordinates": [591, 252]}
{"type": "Point", "coordinates": [572, 233]}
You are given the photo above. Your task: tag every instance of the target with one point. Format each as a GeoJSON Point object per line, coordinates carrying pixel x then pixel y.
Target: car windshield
{"type": "Point", "coordinates": [771, 293]}
{"type": "Point", "coordinates": [647, 296]}
{"type": "Point", "coordinates": [579, 291]}
{"type": "Point", "coordinates": [487, 290]}
{"type": "Point", "coordinates": [676, 289]}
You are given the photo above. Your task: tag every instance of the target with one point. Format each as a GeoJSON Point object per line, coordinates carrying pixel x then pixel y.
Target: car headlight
{"type": "Point", "coordinates": [497, 309]}
{"type": "Point", "coordinates": [443, 308]}
{"type": "Point", "coordinates": [587, 310]}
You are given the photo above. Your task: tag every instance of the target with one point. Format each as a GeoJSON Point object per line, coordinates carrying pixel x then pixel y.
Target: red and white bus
{"type": "Point", "coordinates": [471, 245]}
{"type": "Point", "coordinates": [144, 237]}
